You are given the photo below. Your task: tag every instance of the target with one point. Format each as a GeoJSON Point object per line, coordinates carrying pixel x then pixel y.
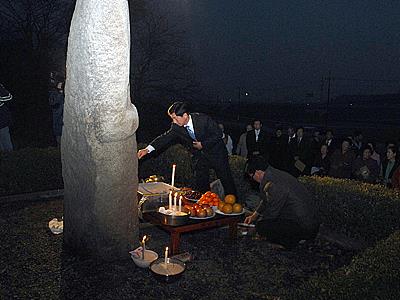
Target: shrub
{"type": "Point", "coordinates": [373, 274]}
{"type": "Point", "coordinates": [30, 170]}
{"type": "Point", "coordinates": [361, 210]}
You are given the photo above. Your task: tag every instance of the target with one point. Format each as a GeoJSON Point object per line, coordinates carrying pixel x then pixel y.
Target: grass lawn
{"type": "Point", "coordinates": [33, 264]}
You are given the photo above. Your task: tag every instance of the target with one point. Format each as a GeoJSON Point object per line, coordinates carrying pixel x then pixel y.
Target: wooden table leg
{"type": "Point", "coordinates": [175, 240]}
{"type": "Point", "coordinates": [233, 230]}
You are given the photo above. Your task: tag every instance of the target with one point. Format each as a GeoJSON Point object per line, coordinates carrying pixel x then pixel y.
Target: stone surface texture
{"type": "Point", "coordinates": [98, 143]}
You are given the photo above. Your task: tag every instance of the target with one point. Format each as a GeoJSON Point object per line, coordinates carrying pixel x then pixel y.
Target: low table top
{"type": "Point", "coordinates": [192, 224]}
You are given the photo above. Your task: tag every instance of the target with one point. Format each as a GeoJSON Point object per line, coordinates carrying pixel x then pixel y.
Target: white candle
{"type": "Point", "coordinates": [176, 195]}
{"type": "Point", "coordinates": [180, 203]}
{"type": "Point", "coordinates": [166, 255]}
{"type": "Point", "coordinates": [170, 200]}
{"type": "Point", "coordinates": [173, 175]}
{"type": "Point", "coordinates": [143, 246]}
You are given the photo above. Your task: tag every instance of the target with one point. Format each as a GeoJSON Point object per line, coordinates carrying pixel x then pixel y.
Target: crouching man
{"type": "Point", "coordinates": [285, 214]}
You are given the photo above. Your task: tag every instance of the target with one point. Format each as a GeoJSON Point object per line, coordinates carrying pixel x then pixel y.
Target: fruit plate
{"type": "Point", "coordinates": [231, 214]}
{"type": "Point", "coordinates": [193, 200]}
{"type": "Point", "coordinates": [198, 218]}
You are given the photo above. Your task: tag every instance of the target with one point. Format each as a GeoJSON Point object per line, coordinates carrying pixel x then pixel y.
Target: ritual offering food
{"type": "Point", "coordinates": [199, 211]}
{"type": "Point", "coordinates": [190, 194]}
{"type": "Point", "coordinates": [210, 198]}
{"type": "Point", "coordinates": [229, 206]}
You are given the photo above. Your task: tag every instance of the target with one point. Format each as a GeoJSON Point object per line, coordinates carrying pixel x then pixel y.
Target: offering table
{"type": "Point", "coordinates": [193, 225]}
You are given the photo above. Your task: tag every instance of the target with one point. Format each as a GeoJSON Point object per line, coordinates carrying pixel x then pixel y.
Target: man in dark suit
{"type": "Point", "coordinates": [256, 141]}
{"type": "Point", "coordinates": [286, 212]}
{"type": "Point", "coordinates": [300, 152]}
{"type": "Point", "coordinates": [202, 136]}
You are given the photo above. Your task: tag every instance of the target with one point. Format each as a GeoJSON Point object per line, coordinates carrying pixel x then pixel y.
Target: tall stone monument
{"type": "Point", "coordinates": [98, 142]}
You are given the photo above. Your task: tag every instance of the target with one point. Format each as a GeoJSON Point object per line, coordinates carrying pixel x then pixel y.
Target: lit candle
{"type": "Point", "coordinates": [180, 203]}
{"type": "Point", "coordinates": [173, 175]}
{"type": "Point", "coordinates": [143, 246]}
{"type": "Point", "coordinates": [166, 255]}
{"type": "Point", "coordinates": [170, 200]}
{"type": "Point", "coordinates": [176, 195]}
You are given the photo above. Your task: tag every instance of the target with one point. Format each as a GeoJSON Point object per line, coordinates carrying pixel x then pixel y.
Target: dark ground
{"type": "Point", "coordinates": [33, 265]}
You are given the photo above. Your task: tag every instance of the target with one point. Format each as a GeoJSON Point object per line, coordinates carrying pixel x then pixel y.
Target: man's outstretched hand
{"type": "Point", "coordinates": [142, 152]}
{"type": "Point", "coordinates": [250, 219]}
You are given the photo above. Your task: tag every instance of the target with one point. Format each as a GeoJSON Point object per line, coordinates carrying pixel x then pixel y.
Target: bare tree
{"type": "Point", "coordinates": [161, 63]}
{"type": "Point", "coordinates": [38, 27]}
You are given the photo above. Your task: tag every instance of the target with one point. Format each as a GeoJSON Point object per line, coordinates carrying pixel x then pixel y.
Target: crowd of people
{"type": "Point", "coordinates": [322, 154]}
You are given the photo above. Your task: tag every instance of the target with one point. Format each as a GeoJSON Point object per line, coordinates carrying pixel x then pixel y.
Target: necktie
{"type": "Point", "coordinates": [191, 132]}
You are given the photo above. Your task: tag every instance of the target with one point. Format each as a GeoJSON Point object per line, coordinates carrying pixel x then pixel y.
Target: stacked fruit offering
{"type": "Point", "coordinates": [199, 211]}
{"type": "Point", "coordinates": [209, 198]}
{"type": "Point", "coordinates": [229, 205]}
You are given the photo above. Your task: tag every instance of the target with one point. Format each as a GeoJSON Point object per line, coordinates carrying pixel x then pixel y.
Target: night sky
{"type": "Point", "coordinates": [261, 45]}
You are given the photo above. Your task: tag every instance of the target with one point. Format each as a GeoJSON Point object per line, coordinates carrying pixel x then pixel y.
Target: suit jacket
{"type": "Point", "coordinates": [206, 131]}
{"type": "Point", "coordinates": [261, 145]}
{"type": "Point", "coordinates": [302, 150]}
{"type": "Point", "coordinates": [284, 197]}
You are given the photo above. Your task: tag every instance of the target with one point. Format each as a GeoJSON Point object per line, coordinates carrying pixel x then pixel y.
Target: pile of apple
{"type": "Point", "coordinates": [199, 210]}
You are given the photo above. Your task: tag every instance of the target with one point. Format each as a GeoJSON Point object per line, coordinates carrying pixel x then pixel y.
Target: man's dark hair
{"type": "Point", "coordinates": [256, 163]}
{"type": "Point", "coordinates": [178, 108]}
{"type": "Point", "coordinates": [393, 148]}
{"type": "Point", "coordinates": [255, 120]}
{"type": "Point", "coordinates": [329, 130]}
{"type": "Point", "coordinates": [367, 147]}
{"type": "Point", "coordinates": [347, 140]}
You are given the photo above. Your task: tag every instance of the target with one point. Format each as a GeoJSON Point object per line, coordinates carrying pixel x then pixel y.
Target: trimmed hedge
{"type": "Point", "coordinates": [360, 210]}
{"type": "Point", "coordinates": [30, 170]}
{"type": "Point", "coordinates": [373, 274]}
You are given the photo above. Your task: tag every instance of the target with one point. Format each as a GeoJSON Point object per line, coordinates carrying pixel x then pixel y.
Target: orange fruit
{"type": "Point", "coordinates": [220, 205]}
{"type": "Point", "coordinates": [230, 199]}
{"type": "Point", "coordinates": [227, 208]}
{"type": "Point", "coordinates": [237, 208]}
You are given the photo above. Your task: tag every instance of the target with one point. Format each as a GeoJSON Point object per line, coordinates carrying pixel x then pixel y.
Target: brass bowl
{"type": "Point", "coordinates": [170, 273]}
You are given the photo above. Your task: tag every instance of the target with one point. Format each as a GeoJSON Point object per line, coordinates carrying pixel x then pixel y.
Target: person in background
{"type": "Point", "coordinates": [322, 162]}
{"type": "Point", "coordinates": [286, 213]}
{"type": "Point", "coordinates": [256, 141]}
{"type": "Point", "coordinates": [396, 178]}
{"type": "Point", "coordinates": [202, 137]}
{"type": "Point", "coordinates": [5, 120]}
{"type": "Point", "coordinates": [315, 142]}
{"type": "Point", "coordinates": [56, 102]}
{"type": "Point", "coordinates": [300, 153]}
{"type": "Point", "coordinates": [329, 141]}
{"type": "Point", "coordinates": [227, 139]}
{"type": "Point", "coordinates": [375, 155]}
{"type": "Point", "coordinates": [389, 165]}
{"type": "Point", "coordinates": [278, 150]}
{"type": "Point", "coordinates": [365, 168]}
{"type": "Point", "coordinates": [291, 134]}
{"type": "Point", "coordinates": [342, 161]}
{"type": "Point", "coordinates": [241, 148]}
{"type": "Point", "coordinates": [357, 144]}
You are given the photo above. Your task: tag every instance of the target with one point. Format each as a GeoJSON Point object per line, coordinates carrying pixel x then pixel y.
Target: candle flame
{"type": "Point", "coordinates": [144, 239]}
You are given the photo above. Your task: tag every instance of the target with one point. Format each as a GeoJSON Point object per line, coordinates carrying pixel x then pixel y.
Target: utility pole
{"type": "Point", "coordinates": [239, 94]}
